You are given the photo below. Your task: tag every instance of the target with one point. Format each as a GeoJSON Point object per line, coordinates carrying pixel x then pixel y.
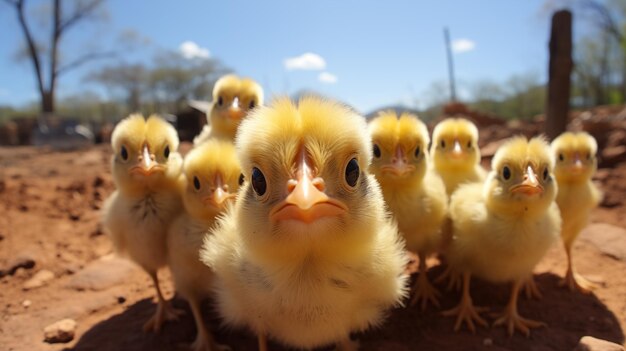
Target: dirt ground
{"type": "Point", "coordinates": [50, 203]}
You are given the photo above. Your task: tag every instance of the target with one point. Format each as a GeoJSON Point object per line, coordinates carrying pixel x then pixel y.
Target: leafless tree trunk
{"type": "Point", "coordinates": [560, 68]}
{"type": "Point", "coordinates": [60, 25]}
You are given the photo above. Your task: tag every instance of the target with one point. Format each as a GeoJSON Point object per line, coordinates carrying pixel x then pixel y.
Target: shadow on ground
{"type": "Point", "coordinates": [569, 316]}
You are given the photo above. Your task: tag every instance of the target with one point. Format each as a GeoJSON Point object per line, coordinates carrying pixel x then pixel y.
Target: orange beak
{"type": "Point", "coordinates": [399, 165]}
{"type": "Point", "coordinates": [220, 195]}
{"type": "Point", "coordinates": [146, 164]}
{"type": "Point", "coordinates": [306, 201]}
{"type": "Point", "coordinates": [578, 163]}
{"type": "Point", "coordinates": [234, 111]}
{"type": "Point", "coordinates": [530, 185]}
{"type": "Point", "coordinates": [457, 151]}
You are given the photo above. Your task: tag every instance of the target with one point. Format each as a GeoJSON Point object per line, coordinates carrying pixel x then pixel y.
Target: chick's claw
{"type": "Point", "coordinates": [468, 313]}
{"type": "Point", "coordinates": [531, 291]}
{"type": "Point", "coordinates": [423, 290]}
{"type": "Point", "coordinates": [576, 282]}
{"type": "Point", "coordinates": [455, 279]}
{"type": "Point", "coordinates": [165, 312]}
{"type": "Point", "coordinates": [513, 321]}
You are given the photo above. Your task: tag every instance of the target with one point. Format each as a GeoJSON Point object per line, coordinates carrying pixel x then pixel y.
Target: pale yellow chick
{"type": "Point", "coordinates": [210, 180]}
{"type": "Point", "coordinates": [455, 153]}
{"type": "Point", "coordinates": [145, 168]}
{"type": "Point", "coordinates": [502, 228]}
{"type": "Point", "coordinates": [233, 99]}
{"type": "Point", "coordinates": [307, 255]}
{"type": "Point", "coordinates": [415, 194]}
{"type": "Point", "coordinates": [576, 162]}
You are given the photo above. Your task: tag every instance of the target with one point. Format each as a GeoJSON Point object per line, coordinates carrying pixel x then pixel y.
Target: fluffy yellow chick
{"type": "Point", "coordinates": [455, 157]}
{"type": "Point", "coordinates": [233, 99]}
{"type": "Point", "coordinates": [575, 155]}
{"type": "Point", "coordinates": [145, 168]}
{"type": "Point", "coordinates": [306, 256]}
{"type": "Point", "coordinates": [415, 195]}
{"type": "Point", "coordinates": [211, 178]}
{"type": "Point", "coordinates": [502, 228]}
{"type": "Point", "coordinates": [455, 153]}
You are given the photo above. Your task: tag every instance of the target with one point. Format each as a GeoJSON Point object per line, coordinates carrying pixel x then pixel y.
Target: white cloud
{"type": "Point", "coordinates": [191, 50]}
{"type": "Point", "coordinates": [462, 45]}
{"type": "Point", "coordinates": [308, 61]}
{"type": "Point", "coordinates": [326, 77]}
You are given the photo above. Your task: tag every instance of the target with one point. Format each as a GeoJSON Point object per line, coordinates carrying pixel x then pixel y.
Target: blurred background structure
{"type": "Point", "coordinates": [95, 61]}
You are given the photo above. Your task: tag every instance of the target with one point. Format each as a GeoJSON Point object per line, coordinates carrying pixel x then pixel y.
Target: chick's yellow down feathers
{"type": "Point", "coordinates": [502, 228]}
{"type": "Point", "coordinates": [233, 99]}
{"type": "Point", "coordinates": [455, 153]}
{"type": "Point", "coordinates": [306, 255]}
{"type": "Point", "coordinates": [576, 162]}
{"type": "Point", "coordinates": [145, 168]}
{"type": "Point", "coordinates": [211, 176]}
{"type": "Point", "coordinates": [415, 194]}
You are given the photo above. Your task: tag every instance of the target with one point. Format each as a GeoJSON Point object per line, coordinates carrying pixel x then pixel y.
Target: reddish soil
{"type": "Point", "coordinates": [50, 203]}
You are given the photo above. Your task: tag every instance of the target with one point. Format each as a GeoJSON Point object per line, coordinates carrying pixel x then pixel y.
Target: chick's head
{"type": "Point", "coordinates": [145, 156]}
{"type": "Point", "coordinates": [398, 145]}
{"type": "Point", "coordinates": [307, 185]}
{"type": "Point", "coordinates": [575, 155]}
{"type": "Point", "coordinates": [227, 111]}
{"type": "Point", "coordinates": [455, 145]}
{"type": "Point", "coordinates": [212, 176]}
{"type": "Point", "coordinates": [521, 180]}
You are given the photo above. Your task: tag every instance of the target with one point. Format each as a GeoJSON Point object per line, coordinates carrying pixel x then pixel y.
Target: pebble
{"type": "Point", "coordinates": [488, 342]}
{"type": "Point", "coordinates": [60, 332]}
{"type": "Point", "coordinates": [589, 343]}
{"type": "Point", "coordinates": [40, 279]}
{"type": "Point", "coordinates": [23, 260]}
{"type": "Point", "coordinates": [26, 303]}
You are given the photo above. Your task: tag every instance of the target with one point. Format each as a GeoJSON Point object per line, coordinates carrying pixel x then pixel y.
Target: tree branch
{"type": "Point", "coordinates": [84, 59]}
{"type": "Point", "coordinates": [78, 14]}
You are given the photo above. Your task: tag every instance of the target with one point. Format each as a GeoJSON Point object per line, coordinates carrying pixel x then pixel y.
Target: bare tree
{"type": "Point", "coordinates": [61, 24]}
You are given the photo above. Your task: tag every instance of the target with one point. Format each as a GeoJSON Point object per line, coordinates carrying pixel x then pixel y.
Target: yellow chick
{"type": "Point", "coordinates": [233, 99]}
{"type": "Point", "coordinates": [307, 254]}
{"type": "Point", "coordinates": [415, 195]}
{"type": "Point", "coordinates": [576, 162]}
{"type": "Point", "coordinates": [455, 153]}
{"type": "Point", "coordinates": [455, 157]}
{"type": "Point", "coordinates": [502, 228]}
{"type": "Point", "coordinates": [145, 168]}
{"type": "Point", "coordinates": [211, 178]}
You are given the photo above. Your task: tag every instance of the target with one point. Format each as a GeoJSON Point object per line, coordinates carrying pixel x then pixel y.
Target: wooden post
{"type": "Point", "coordinates": [559, 70]}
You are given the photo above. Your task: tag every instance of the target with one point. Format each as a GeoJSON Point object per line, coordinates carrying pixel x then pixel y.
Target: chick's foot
{"type": "Point", "coordinates": [425, 292]}
{"type": "Point", "coordinates": [576, 282]}
{"type": "Point", "coordinates": [531, 291]}
{"type": "Point", "coordinates": [164, 312]}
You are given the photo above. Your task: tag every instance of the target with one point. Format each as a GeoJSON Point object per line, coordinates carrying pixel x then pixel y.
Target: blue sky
{"type": "Point", "coordinates": [374, 53]}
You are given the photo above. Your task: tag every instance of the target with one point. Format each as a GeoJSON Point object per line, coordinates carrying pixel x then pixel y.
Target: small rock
{"type": "Point", "coordinates": [602, 174]}
{"type": "Point", "coordinates": [613, 155]}
{"type": "Point", "coordinates": [39, 279]}
{"type": "Point", "coordinates": [26, 303]}
{"type": "Point", "coordinates": [589, 343]}
{"type": "Point", "coordinates": [121, 299]}
{"type": "Point", "coordinates": [488, 342]}
{"type": "Point", "coordinates": [101, 274]}
{"type": "Point", "coordinates": [60, 332]}
{"type": "Point", "coordinates": [609, 239]}
{"type": "Point", "coordinates": [23, 260]}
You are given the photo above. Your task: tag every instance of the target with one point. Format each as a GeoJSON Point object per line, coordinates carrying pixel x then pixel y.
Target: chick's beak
{"type": "Point", "coordinates": [307, 201]}
{"type": "Point", "coordinates": [399, 165]}
{"type": "Point", "coordinates": [578, 163]}
{"type": "Point", "coordinates": [234, 111]}
{"type": "Point", "coordinates": [530, 185]}
{"type": "Point", "coordinates": [220, 194]}
{"type": "Point", "coordinates": [457, 150]}
{"type": "Point", "coordinates": [147, 164]}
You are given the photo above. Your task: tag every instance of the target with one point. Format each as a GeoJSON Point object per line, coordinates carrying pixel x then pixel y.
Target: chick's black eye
{"type": "Point", "coordinates": [258, 182]}
{"type": "Point", "coordinates": [561, 158]}
{"type": "Point", "coordinates": [506, 173]}
{"type": "Point", "coordinates": [376, 151]}
{"type": "Point", "coordinates": [124, 153]}
{"type": "Point", "coordinates": [545, 174]}
{"type": "Point", "coordinates": [443, 143]}
{"type": "Point", "coordinates": [417, 152]}
{"type": "Point", "coordinates": [166, 152]}
{"type": "Point", "coordinates": [352, 172]}
{"type": "Point", "coordinates": [196, 183]}
{"type": "Point", "coordinates": [469, 144]}
{"type": "Point", "coordinates": [241, 178]}
{"type": "Point", "coordinates": [252, 105]}
{"type": "Point", "coordinates": [588, 156]}
{"type": "Point", "coordinates": [220, 101]}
